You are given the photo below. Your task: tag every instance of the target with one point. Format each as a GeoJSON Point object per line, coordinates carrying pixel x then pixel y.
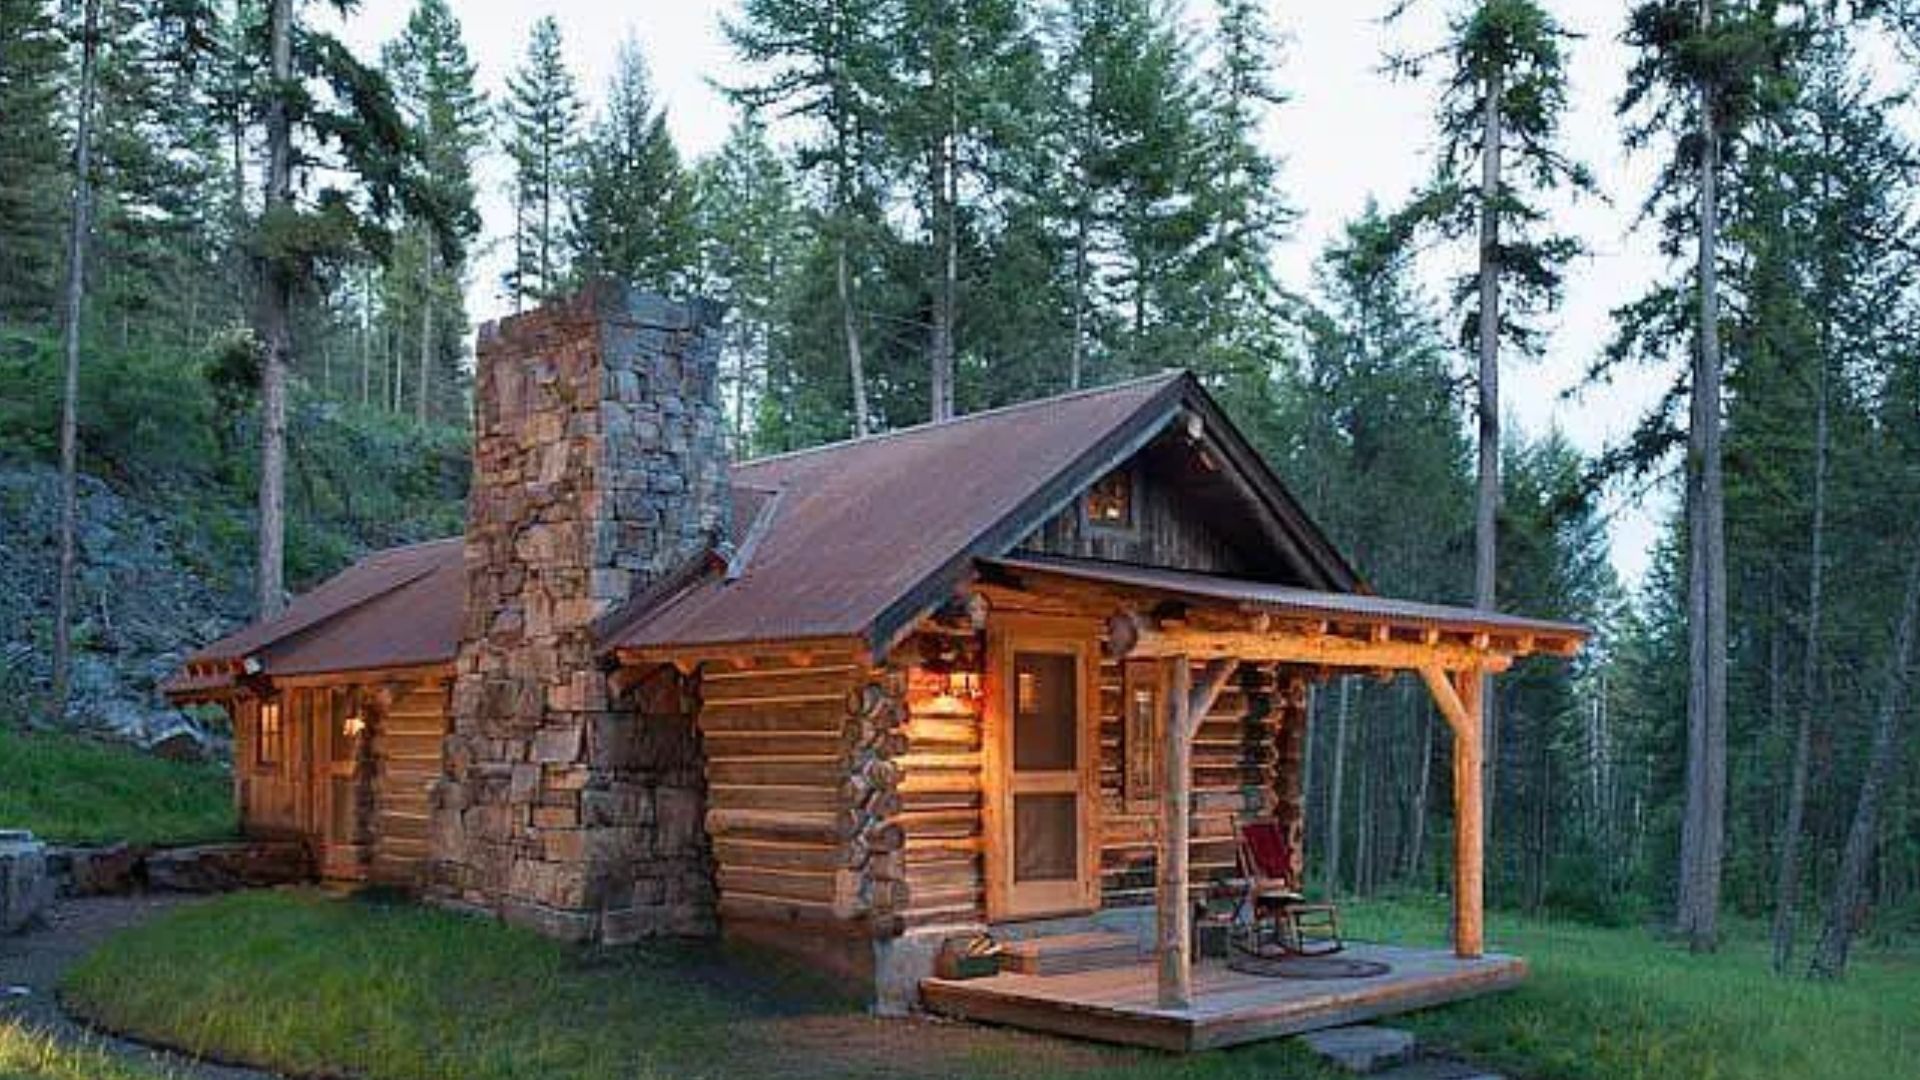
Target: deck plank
{"type": "Point", "coordinates": [1119, 1004]}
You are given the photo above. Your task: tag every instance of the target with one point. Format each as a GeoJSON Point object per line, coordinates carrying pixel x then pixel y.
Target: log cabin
{"type": "Point", "coordinates": [1024, 672]}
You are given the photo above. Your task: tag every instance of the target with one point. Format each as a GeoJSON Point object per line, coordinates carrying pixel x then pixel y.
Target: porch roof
{"type": "Point", "coordinates": [1519, 634]}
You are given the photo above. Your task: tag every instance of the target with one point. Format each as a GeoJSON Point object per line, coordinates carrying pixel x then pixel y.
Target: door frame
{"type": "Point", "coordinates": [1007, 634]}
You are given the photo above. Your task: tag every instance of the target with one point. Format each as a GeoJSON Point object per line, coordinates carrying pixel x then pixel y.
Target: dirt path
{"type": "Point", "coordinates": [36, 960]}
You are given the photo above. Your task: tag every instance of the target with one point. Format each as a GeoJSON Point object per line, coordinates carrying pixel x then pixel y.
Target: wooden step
{"type": "Point", "coordinates": [1063, 954]}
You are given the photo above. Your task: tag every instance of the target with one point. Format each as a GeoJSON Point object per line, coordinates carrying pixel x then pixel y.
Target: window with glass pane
{"type": "Point", "coordinates": [1110, 500]}
{"type": "Point", "coordinates": [266, 743]}
{"type": "Point", "coordinates": [1046, 712]}
{"type": "Point", "coordinates": [1046, 836]}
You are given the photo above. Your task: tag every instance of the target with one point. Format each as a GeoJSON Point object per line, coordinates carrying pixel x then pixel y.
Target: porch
{"type": "Point", "coordinates": [1225, 1007]}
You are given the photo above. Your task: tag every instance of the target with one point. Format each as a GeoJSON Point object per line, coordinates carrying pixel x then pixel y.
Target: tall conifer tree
{"type": "Point", "coordinates": [542, 114]}
{"type": "Point", "coordinates": [634, 216]}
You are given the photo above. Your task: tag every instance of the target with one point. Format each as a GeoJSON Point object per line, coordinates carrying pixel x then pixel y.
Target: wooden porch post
{"type": "Point", "coordinates": [1469, 831]}
{"type": "Point", "coordinates": [1457, 693]}
{"type": "Point", "coordinates": [1186, 707]}
{"type": "Point", "coordinates": [1174, 935]}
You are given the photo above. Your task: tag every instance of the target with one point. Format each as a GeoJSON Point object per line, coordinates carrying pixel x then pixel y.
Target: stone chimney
{"type": "Point", "coordinates": [599, 465]}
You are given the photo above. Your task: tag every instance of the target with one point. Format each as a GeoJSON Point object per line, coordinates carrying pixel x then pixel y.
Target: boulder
{"type": "Point", "coordinates": [109, 870]}
{"type": "Point", "coordinates": [179, 740]}
{"type": "Point", "coordinates": [225, 867]}
{"type": "Point", "coordinates": [26, 888]}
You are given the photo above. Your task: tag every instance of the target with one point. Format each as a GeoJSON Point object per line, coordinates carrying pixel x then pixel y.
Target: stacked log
{"type": "Point", "coordinates": [1290, 744]}
{"type": "Point", "coordinates": [775, 729]}
{"type": "Point", "coordinates": [873, 738]}
{"type": "Point", "coordinates": [1234, 779]}
{"type": "Point", "coordinates": [408, 725]}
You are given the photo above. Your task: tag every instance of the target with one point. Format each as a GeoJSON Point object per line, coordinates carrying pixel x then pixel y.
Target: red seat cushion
{"type": "Point", "coordinates": [1267, 844]}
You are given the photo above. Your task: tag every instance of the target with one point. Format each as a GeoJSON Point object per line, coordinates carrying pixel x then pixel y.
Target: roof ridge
{"type": "Point", "coordinates": [1163, 375]}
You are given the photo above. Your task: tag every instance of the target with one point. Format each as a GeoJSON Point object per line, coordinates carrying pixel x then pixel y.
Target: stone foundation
{"type": "Point", "coordinates": [599, 467]}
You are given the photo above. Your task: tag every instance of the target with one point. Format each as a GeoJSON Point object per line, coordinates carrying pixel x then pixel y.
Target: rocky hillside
{"type": "Point", "coordinates": [146, 596]}
{"type": "Point", "coordinates": [166, 524]}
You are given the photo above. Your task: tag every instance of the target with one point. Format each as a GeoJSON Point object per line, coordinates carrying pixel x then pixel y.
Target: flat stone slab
{"type": "Point", "coordinates": [1438, 1069]}
{"type": "Point", "coordinates": [1363, 1048]}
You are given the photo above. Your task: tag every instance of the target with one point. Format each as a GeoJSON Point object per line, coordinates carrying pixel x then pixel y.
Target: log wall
{"type": "Point", "coordinates": [780, 734]}
{"type": "Point", "coordinates": [365, 817]}
{"type": "Point", "coordinates": [842, 795]}
{"type": "Point", "coordinates": [407, 736]}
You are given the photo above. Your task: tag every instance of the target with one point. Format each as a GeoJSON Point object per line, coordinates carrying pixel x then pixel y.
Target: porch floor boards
{"type": "Point", "coordinates": [1118, 1005]}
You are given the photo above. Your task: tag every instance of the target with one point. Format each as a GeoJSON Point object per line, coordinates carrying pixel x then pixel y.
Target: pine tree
{"type": "Point", "coordinates": [962, 79]}
{"type": "Point", "coordinates": [542, 113]}
{"type": "Point", "coordinates": [1499, 123]}
{"type": "Point", "coordinates": [367, 138]}
{"type": "Point", "coordinates": [826, 61]}
{"type": "Point", "coordinates": [634, 217]}
{"type": "Point", "coordinates": [1705, 72]}
{"type": "Point", "coordinates": [1370, 440]}
{"type": "Point", "coordinates": [32, 74]}
{"type": "Point", "coordinates": [1234, 301]}
{"type": "Point", "coordinates": [72, 314]}
{"type": "Point", "coordinates": [433, 81]}
{"type": "Point", "coordinates": [750, 232]}
{"type": "Point", "coordinates": [1130, 134]}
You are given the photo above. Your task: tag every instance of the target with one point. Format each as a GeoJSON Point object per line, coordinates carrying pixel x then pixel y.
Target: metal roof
{"type": "Point", "coordinates": [865, 534]}
{"type": "Point", "coordinates": [1288, 600]}
{"type": "Point", "coordinates": [853, 539]}
{"type": "Point", "coordinates": [395, 608]}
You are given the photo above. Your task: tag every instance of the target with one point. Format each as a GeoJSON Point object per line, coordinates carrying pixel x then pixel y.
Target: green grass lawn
{"type": "Point", "coordinates": [1621, 1003]}
{"type": "Point", "coordinates": [75, 790]}
{"type": "Point", "coordinates": [25, 1055]}
{"type": "Point", "coordinates": [307, 982]}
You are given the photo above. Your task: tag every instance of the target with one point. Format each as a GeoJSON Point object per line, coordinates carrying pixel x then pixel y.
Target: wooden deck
{"type": "Point", "coordinates": [1229, 1008]}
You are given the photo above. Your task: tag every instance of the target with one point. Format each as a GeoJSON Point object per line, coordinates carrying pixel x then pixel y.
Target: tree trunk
{"type": "Point", "coordinates": [850, 324]}
{"type": "Point", "coordinates": [366, 348]}
{"type": "Point", "coordinates": [1787, 885]}
{"type": "Point", "coordinates": [1830, 955]}
{"type": "Point", "coordinates": [426, 336]}
{"type": "Point", "coordinates": [1339, 782]}
{"type": "Point", "coordinates": [1703, 830]}
{"type": "Point", "coordinates": [1422, 797]}
{"type": "Point", "coordinates": [276, 303]}
{"type": "Point", "coordinates": [1486, 516]}
{"type": "Point", "coordinates": [940, 375]}
{"type": "Point", "coordinates": [77, 229]}
{"type": "Point", "coordinates": [1077, 354]}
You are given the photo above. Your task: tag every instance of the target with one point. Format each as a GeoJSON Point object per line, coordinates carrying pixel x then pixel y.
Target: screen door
{"type": "Point", "coordinates": [1046, 864]}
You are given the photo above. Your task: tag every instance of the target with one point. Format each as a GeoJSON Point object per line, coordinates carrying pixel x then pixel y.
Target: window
{"type": "Point", "coordinates": [266, 743]}
{"type": "Point", "coordinates": [1110, 500]}
{"type": "Point", "coordinates": [1139, 733]}
{"type": "Point", "coordinates": [1047, 707]}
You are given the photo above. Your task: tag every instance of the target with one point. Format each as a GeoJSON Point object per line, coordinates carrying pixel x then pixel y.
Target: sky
{"type": "Point", "coordinates": [1349, 134]}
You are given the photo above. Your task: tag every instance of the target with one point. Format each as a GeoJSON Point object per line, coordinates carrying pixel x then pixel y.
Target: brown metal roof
{"type": "Point", "coordinates": [395, 608]}
{"type": "Point", "coordinates": [1287, 600]}
{"type": "Point", "coordinates": [854, 539]}
{"type": "Point", "coordinates": [865, 534]}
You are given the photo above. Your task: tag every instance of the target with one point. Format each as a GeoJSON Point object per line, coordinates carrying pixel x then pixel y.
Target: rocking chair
{"type": "Point", "coordinates": [1273, 918]}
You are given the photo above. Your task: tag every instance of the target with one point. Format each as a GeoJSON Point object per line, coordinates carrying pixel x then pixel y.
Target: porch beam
{"type": "Point", "coordinates": [1133, 635]}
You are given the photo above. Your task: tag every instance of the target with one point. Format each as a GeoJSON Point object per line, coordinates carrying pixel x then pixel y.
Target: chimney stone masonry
{"type": "Point", "coordinates": [599, 466]}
